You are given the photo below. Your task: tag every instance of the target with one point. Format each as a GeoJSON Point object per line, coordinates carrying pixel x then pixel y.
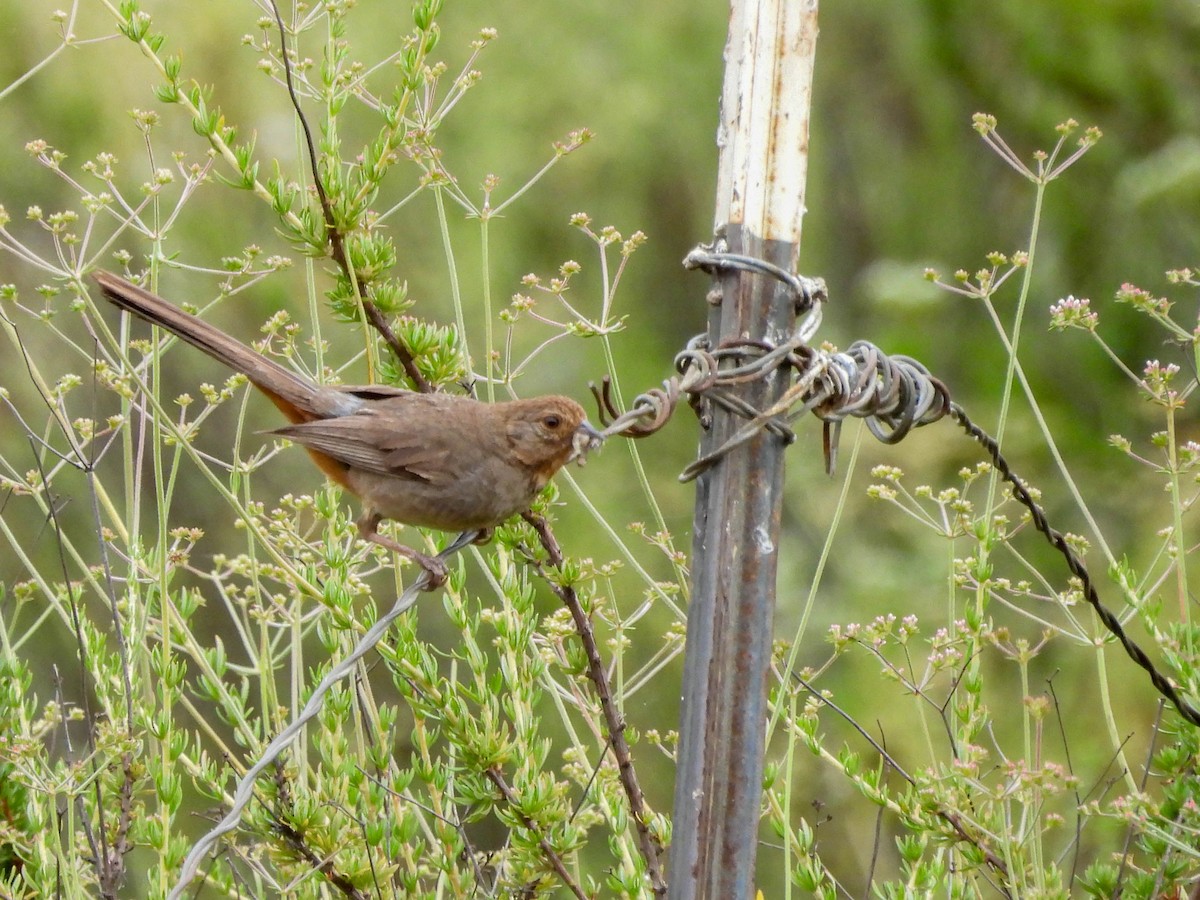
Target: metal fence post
{"type": "Point", "coordinates": [763, 142]}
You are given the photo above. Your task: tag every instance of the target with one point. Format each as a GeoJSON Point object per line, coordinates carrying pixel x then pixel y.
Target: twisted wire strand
{"type": "Point", "coordinates": [312, 708]}
{"type": "Point", "coordinates": [807, 293]}
{"type": "Point", "coordinates": [1076, 566]}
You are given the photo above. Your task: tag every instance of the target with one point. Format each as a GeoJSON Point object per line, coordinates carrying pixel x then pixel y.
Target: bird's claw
{"type": "Point", "coordinates": [434, 567]}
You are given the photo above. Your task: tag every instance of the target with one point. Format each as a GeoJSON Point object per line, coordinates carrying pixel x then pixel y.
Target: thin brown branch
{"type": "Point", "coordinates": [650, 847]}
{"type": "Point", "coordinates": [402, 353]}
{"type": "Point", "coordinates": [337, 244]}
{"type": "Point", "coordinates": [339, 880]}
{"type": "Point", "coordinates": [497, 778]}
{"type": "Point", "coordinates": [614, 721]}
{"type": "Point", "coordinates": [112, 872]}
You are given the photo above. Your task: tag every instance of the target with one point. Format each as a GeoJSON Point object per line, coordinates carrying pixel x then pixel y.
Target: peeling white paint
{"type": "Point", "coordinates": [762, 541]}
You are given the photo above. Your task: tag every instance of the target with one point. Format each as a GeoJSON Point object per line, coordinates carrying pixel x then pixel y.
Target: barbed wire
{"type": "Point", "coordinates": [893, 394]}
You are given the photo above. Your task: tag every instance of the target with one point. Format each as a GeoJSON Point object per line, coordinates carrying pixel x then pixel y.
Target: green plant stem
{"type": "Point", "coordinates": [489, 340]}
{"type": "Point", "coordinates": [1016, 373]}
{"type": "Point", "coordinates": [620, 544]}
{"type": "Point", "coordinates": [1178, 537]}
{"type": "Point", "coordinates": [455, 286]}
{"type": "Point", "coordinates": [810, 601]}
{"type": "Point", "coordinates": [1051, 445]}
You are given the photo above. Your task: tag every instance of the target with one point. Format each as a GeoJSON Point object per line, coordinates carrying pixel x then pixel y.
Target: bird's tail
{"type": "Point", "coordinates": [292, 393]}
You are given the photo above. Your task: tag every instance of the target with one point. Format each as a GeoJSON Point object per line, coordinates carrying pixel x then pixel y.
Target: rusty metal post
{"type": "Point", "coordinates": [763, 142]}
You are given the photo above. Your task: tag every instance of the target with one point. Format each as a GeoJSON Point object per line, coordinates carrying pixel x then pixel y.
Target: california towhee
{"type": "Point", "coordinates": [432, 460]}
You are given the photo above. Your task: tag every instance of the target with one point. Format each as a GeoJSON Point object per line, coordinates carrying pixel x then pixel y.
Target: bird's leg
{"type": "Point", "coordinates": [435, 568]}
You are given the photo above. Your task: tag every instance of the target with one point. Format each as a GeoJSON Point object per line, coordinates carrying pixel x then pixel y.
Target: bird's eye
{"type": "Point", "coordinates": [552, 422]}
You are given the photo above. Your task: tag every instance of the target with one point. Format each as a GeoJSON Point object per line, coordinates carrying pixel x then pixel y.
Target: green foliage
{"type": "Point", "coordinates": [474, 756]}
{"type": "Point", "coordinates": [974, 726]}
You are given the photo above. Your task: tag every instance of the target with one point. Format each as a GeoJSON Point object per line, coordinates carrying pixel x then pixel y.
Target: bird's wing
{"type": "Point", "coordinates": [372, 443]}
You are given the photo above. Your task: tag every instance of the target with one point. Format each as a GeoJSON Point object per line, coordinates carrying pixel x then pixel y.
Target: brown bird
{"type": "Point", "coordinates": [431, 460]}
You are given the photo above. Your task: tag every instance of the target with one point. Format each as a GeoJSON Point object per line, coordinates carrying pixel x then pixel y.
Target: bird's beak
{"type": "Point", "coordinates": [585, 439]}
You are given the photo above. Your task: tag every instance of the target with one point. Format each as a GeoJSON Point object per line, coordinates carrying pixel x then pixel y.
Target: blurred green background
{"type": "Point", "coordinates": [898, 182]}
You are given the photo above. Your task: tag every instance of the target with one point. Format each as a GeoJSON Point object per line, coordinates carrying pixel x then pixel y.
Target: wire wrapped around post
{"type": "Point", "coordinates": [894, 394]}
